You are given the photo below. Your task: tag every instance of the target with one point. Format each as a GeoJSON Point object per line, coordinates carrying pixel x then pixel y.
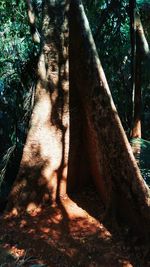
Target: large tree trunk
{"type": "Point", "coordinates": [112, 163]}
{"type": "Point", "coordinates": [43, 170]}
{"type": "Point", "coordinates": [102, 144]}
{"type": "Point", "coordinates": [55, 134]}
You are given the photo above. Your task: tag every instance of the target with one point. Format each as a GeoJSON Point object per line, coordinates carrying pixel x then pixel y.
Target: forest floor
{"type": "Point", "coordinates": [68, 235]}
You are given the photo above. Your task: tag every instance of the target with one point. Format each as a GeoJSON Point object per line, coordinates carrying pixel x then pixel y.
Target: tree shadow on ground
{"type": "Point", "coordinates": [66, 235]}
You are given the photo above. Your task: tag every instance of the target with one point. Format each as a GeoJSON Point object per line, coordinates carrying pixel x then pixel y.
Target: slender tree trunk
{"type": "Point", "coordinates": [112, 163]}
{"type": "Point", "coordinates": [142, 52]}
{"type": "Point", "coordinates": [132, 12]}
{"type": "Point", "coordinates": [136, 129]}
{"type": "Point", "coordinates": [142, 41]}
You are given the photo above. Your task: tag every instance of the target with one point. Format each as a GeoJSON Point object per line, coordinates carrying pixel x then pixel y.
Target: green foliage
{"type": "Point", "coordinates": [18, 57]}
{"type": "Point", "coordinates": [110, 25]}
{"type": "Point", "coordinates": [141, 2]}
{"type": "Point", "coordinates": [142, 156]}
{"type": "Point", "coordinates": [4, 163]}
{"type": "Point", "coordinates": [109, 22]}
{"type": "Point", "coordinates": [16, 49]}
{"type": "Point", "coordinates": [14, 32]}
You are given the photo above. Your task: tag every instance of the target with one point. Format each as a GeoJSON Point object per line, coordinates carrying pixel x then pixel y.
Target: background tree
{"type": "Point", "coordinates": [141, 52]}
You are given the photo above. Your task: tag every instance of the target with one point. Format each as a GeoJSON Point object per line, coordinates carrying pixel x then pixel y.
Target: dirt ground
{"type": "Point", "coordinates": [70, 234]}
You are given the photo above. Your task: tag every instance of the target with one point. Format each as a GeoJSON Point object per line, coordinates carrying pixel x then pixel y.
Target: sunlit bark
{"type": "Point", "coordinates": [143, 44]}
{"type": "Point", "coordinates": [136, 129]}
{"type": "Point", "coordinates": [103, 150]}
{"type": "Point", "coordinates": [132, 13]}
{"type": "Point", "coordinates": [112, 163]}
{"type": "Point", "coordinates": [32, 22]}
{"type": "Point", "coordinates": [142, 51]}
{"type": "Point", "coordinates": [44, 166]}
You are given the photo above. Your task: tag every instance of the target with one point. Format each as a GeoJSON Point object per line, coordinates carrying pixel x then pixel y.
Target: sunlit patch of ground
{"type": "Point", "coordinates": [68, 235]}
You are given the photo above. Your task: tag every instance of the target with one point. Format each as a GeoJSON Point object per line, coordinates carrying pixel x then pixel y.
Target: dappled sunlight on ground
{"type": "Point", "coordinates": [64, 235]}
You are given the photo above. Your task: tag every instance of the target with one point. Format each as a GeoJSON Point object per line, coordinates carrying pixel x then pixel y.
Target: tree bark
{"type": "Point", "coordinates": [132, 12]}
{"type": "Point", "coordinates": [136, 129]}
{"type": "Point", "coordinates": [142, 41]}
{"type": "Point", "coordinates": [32, 18]}
{"type": "Point", "coordinates": [55, 135]}
{"type": "Point", "coordinates": [43, 170]}
{"type": "Point", "coordinates": [142, 51]}
{"type": "Point", "coordinates": [103, 147]}
{"type": "Point", "coordinates": [112, 163]}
